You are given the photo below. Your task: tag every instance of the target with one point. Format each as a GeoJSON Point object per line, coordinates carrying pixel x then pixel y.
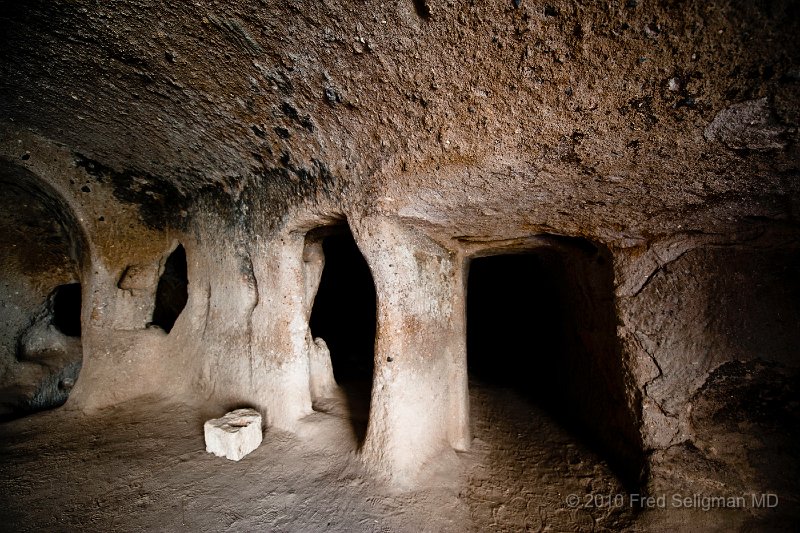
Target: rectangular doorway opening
{"type": "Point", "coordinates": [541, 332]}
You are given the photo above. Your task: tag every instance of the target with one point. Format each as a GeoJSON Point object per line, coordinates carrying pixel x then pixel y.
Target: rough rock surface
{"type": "Point", "coordinates": [234, 435]}
{"type": "Point", "coordinates": [35, 264]}
{"type": "Point", "coordinates": [748, 125]}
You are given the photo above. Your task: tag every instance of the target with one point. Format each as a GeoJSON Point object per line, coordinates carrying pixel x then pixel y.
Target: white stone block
{"type": "Point", "coordinates": [234, 435]}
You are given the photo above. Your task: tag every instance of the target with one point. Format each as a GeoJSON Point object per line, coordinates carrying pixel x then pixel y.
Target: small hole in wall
{"type": "Point", "coordinates": [173, 290]}
{"type": "Point", "coordinates": [423, 9]}
{"type": "Point", "coordinates": [67, 309]}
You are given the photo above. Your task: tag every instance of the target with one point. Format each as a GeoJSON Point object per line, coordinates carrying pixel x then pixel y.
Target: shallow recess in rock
{"type": "Point", "coordinates": [41, 348]}
{"type": "Point", "coordinates": [173, 290]}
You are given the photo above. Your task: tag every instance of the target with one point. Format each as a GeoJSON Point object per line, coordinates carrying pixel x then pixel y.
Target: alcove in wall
{"type": "Point", "coordinates": [41, 242]}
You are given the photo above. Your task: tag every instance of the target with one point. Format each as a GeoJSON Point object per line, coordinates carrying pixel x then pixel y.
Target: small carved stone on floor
{"type": "Point", "coordinates": [234, 435]}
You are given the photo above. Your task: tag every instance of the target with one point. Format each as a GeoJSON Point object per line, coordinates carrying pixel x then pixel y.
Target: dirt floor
{"type": "Point", "coordinates": [143, 467]}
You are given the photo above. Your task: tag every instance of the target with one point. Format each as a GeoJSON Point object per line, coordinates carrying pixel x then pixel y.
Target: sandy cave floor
{"type": "Point", "coordinates": [143, 466]}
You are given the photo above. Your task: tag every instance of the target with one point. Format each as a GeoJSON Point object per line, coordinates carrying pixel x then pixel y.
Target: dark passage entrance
{"type": "Point", "coordinates": [173, 290]}
{"type": "Point", "coordinates": [67, 309]}
{"type": "Point", "coordinates": [542, 323]}
{"type": "Point", "coordinates": [516, 330]}
{"type": "Point", "coordinates": [344, 309]}
{"type": "Point", "coordinates": [344, 315]}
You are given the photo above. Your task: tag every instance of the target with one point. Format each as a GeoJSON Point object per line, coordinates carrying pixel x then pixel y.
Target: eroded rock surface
{"type": "Point", "coordinates": [748, 126]}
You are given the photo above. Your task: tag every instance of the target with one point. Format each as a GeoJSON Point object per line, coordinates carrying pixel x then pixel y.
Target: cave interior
{"type": "Point", "coordinates": [488, 266]}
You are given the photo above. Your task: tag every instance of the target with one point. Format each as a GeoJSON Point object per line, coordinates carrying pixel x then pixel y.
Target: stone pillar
{"type": "Point", "coordinates": [279, 331]}
{"type": "Point", "coordinates": [459, 433]}
{"type": "Point", "coordinates": [120, 362]}
{"type": "Point", "coordinates": [419, 403]}
{"type": "Point", "coordinates": [136, 300]}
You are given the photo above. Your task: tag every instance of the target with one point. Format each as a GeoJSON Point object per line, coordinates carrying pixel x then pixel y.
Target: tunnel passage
{"type": "Point", "coordinates": [344, 315]}
{"type": "Point", "coordinates": [172, 292]}
{"type": "Point", "coordinates": [542, 323]}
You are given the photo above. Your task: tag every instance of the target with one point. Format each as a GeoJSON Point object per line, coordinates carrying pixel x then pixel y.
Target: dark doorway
{"type": "Point", "coordinates": [173, 290]}
{"type": "Point", "coordinates": [344, 308]}
{"type": "Point", "coordinates": [515, 322]}
{"type": "Point", "coordinates": [344, 315]}
{"type": "Point", "coordinates": [67, 309]}
{"type": "Point", "coordinates": [542, 323]}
